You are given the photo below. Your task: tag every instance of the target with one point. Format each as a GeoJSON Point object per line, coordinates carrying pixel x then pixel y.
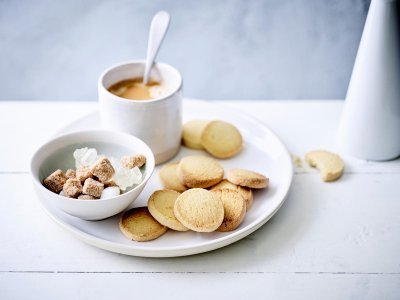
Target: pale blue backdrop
{"type": "Point", "coordinates": [269, 49]}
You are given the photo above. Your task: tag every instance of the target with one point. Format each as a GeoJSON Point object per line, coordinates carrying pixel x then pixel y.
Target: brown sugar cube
{"type": "Point", "coordinates": [133, 161]}
{"type": "Point", "coordinates": [83, 173]}
{"type": "Point", "coordinates": [72, 188]}
{"type": "Point", "coordinates": [70, 173]}
{"type": "Point", "coordinates": [109, 184]}
{"type": "Point", "coordinates": [86, 197]}
{"type": "Point", "coordinates": [103, 170]}
{"type": "Point", "coordinates": [55, 181]}
{"type": "Point", "coordinates": [93, 188]}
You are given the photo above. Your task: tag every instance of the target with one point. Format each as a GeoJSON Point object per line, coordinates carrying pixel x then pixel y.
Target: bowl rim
{"type": "Point", "coordinates": [149, 171]}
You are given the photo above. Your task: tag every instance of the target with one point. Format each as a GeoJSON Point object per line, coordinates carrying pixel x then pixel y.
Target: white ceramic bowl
{"type": "Point", "coordinates": [58, 154]}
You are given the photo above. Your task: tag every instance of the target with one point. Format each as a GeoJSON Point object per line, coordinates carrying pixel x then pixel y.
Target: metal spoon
{"type": "Point", "coordinates": [158, 29]}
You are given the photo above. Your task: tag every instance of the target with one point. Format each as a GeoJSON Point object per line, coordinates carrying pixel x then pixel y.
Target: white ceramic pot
{"type": "Point", "coordinates": [370, 125]}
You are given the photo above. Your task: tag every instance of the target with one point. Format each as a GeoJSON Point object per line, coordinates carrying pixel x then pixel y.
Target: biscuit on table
{"type": "Point", "coordinates": [199, 210]}
{"type": "Point", "coordinates": [246, 193]}
{"type": "Point", "coordinates": [248, 178]}
{"type": "Point", "coordinates": [191, 133]}
{"type": "Point", "coordinates": [330, 164]}
{"type": "Point", "coordinates": [138, 225]}
{"type": "Point", "coordinates": [234, 209]}
{"type": "Point", "coordinates": [169, 179]}
{"type": "Point", "coordinates": [199, 171]}
{"type": "Point", "coordinates": [161, 207]}
{"type": "Point", "coordinates": [221, 139]}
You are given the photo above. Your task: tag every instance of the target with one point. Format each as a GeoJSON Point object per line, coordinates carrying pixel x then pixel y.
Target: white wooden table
{"type": "Point", "coordinates": [336, 240]}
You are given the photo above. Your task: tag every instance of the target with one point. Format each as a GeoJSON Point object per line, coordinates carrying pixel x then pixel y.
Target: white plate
{"type": "Point", "coordinates": [263, 152]}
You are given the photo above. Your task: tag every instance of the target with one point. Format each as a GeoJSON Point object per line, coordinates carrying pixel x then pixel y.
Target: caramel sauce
{"type": "Point", "coordinates": [133, 89]}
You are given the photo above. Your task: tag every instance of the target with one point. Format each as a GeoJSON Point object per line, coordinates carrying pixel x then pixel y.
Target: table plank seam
{"type": "Point", "coordinates": [14, 172]}
{"type": "Point", "coordinates": [295, 173]}
{"type": "Point", "coordinates": [200, 272]}
{"type": "Point", "coordinates": [350, 173]}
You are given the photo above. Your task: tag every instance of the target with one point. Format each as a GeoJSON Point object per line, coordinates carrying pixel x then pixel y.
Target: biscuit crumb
{"type": "Point", "coordinates": [297, 161]}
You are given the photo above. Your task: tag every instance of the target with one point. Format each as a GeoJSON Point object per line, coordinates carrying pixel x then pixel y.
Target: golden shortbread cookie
{"type": "Point", "coordinates": [169, 179]}
{"type": "Point", "coordinates": [199, 171]}
{"type": "Point", "coordinates": [234, 209]}
{"type": "Point", "coordinates": [138, 224]}
{"type": "Point", "coordinates": [330, 164]}
{"type": "Point", "coordinates": [246, 193]}
{"type": "Point", "coordinates": [248, 178]}
{"type": "Point", "coordinates": [199, 210]}
{"type": "Point", "coordinates": [221, 139]}
{"type": "Point", "coordinates": [161, 206]}
{"type": "Point", "coordinates": [191, 133]}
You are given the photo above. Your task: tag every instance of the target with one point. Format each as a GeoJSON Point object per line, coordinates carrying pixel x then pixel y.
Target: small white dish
{"type": "Point", "coordinates": [263, 152]}
{"type": "Point", "coordinates": [57, 154]}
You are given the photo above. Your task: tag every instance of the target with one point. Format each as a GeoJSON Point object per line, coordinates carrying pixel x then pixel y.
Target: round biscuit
{"type": "Point", "coordinates": [191, 133]}
{"type": "Point", "coordinates": [161, 207]}
{"type": "Point", "coordinates": [138, 224]}
{"type": "Point", "coordinates": [169, 179]}
{"type": "Point", "coordinates": [199, 171]}
{"type": "Point", "coordinates": [246, 192]}
{"type": "Point", "coordinates": [330, 164]}
{"type": "Point", "coordinates": [248, 178]}
{"type": "Point", "coordinates": [221, 139]}
{"type": "Point", "coordinates": [234, 209]}
{"type": "Point", "coordinates": [199, 210]}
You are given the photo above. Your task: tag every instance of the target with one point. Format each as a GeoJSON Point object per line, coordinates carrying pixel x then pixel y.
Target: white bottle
{"type": "Point", "coordinates": [370, 124]}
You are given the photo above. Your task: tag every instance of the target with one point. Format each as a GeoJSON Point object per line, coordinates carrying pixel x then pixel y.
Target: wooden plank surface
{"type": "Point", "coordinates": [198, 286]}
{"type": "Point", "coordinates": [334, 241]}
{"type": "Point", "coordinates": [351, 226]}
{"type": "Point", "coordinates": [302, 126]}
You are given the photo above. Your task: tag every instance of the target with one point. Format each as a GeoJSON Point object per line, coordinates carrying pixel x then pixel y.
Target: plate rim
{"type": "Point", "coordinates": [176, 251]}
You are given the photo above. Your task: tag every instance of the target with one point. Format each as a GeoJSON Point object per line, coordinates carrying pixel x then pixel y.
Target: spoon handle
{"type": "Point", "coordinates": [158, 29]}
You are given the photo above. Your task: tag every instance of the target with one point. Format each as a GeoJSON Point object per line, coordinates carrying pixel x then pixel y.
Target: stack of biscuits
{"type": "Point", "coordinates": [196, 196]}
